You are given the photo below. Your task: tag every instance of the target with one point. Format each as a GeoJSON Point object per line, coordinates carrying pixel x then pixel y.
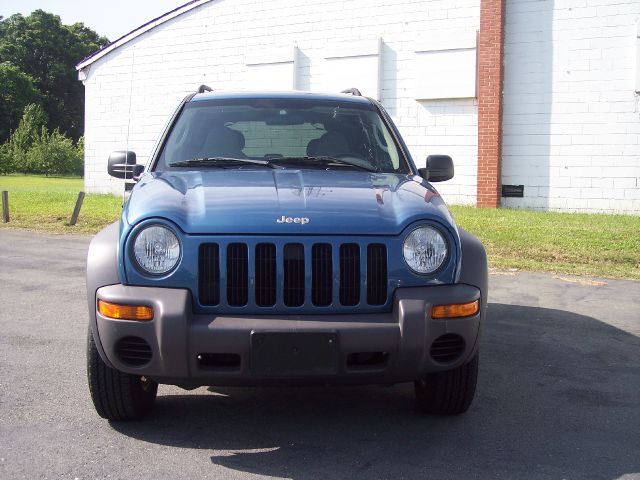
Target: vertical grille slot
{"type": "Point", "coordinates": [349, 274]}
{"type": "Point", "coordinates": [293, 274]}
{"type": "Point", "coordinates": [376, 274]}
{"type": "Point", "coordinates": [209, 274]}
{"type": "Point", "coordinates": [265, 274]}
{"type": "Point", "coordinates": [237, 274]}
{"type": "Point", "coordinates": [321, 275]}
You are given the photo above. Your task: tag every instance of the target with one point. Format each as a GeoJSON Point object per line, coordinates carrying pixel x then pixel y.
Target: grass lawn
{"type": "Point", "coordinates": [574, 243]}
{"type": "Point", "coordinates": [579, 244]}
{"type": "Point", "coordinates": [46, 203]}
{"type": "Point", "coordinates": [36, 183]}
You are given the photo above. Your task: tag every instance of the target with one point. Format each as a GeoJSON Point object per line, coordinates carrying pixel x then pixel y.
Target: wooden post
{"type": "Point", "coordinates": [5, 206]}
{"type": "Point", "coordinates": [76, 211]}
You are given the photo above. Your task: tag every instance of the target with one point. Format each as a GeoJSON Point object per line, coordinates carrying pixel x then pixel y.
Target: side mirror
{"type": "Point", "coordinates": [122, 164]}
{"type": "Point", "coordinates": [439, 168]}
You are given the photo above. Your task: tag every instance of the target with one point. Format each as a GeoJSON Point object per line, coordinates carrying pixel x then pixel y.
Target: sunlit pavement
{"type": "Point", "coordinates": [558, 397]}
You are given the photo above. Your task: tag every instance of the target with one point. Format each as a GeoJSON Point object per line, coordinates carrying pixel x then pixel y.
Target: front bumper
{"type": "Point", "coordinates": [395, 346]}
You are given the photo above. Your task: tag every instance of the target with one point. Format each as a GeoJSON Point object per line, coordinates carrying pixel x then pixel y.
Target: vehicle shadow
{"type": "Point", "coordinates": [558, 398]}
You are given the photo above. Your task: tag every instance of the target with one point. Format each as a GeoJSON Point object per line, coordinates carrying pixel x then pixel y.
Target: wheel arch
{"type": "Point", "coordinates": [102, 269]}
{"type": "Point", "coordinates": [473, 268]}
{"type": "Point", "coordinates": [475, 271]}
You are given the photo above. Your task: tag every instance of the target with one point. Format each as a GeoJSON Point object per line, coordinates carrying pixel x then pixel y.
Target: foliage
{"type": "Point", "coordinates": [18, 90]}
{"type": "Point", "coordinates": [43, 48]}
{"type": "Point", "coordinates": [54, 154]}
{"type": "Point", "coordinates": [22, 139]}
{"type": "Point", "coordinates": [5, 159]}
{"type": "Point", "coordinates": [32, 149]}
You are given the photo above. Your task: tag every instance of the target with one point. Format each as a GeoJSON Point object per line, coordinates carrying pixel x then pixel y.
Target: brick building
{"type": "Point", "coordinates": [537, 98]}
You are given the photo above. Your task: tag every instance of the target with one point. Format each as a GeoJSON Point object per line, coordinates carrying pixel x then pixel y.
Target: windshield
{"type": "Point", "coordinates": [282, 132]}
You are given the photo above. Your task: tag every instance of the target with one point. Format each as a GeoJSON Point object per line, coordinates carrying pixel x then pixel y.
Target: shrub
{"type": "Point", "coordinates": [78, 162]}
{"type": "Point", "coordinates": [5, 159]}
{"type": "Point", "coordinates": [32, 149]}
{"type": "Point", "coordinates": [54, 154]}
{"type": "Point", "coordinates": [22, 138]}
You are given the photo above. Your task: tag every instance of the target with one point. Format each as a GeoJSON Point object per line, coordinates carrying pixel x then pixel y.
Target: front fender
{"type": "Point", "coordinates": [475, 271]}
{"type": "Point", "coordinates": [102, 270]}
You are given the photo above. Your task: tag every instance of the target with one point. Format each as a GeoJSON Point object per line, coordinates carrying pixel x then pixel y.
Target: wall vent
{"type": "Point", "coordinates": [513, 191]}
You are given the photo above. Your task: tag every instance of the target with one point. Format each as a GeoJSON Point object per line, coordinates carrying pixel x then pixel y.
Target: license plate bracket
{"type": "Point", "coordinates": [286, 354]}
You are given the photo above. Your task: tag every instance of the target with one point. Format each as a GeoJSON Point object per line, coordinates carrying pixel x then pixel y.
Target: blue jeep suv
{"type": "Point", "coordinates": [283, 239]}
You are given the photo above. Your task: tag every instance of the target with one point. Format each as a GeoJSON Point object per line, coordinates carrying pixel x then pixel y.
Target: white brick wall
{"type": "Point", "coordinates": [136, 87]}
{"type": "Point", "coordinates": [571, 117]}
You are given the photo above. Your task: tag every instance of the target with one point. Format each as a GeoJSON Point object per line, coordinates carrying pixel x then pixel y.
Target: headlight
{"type": "Point", "coordinates": [425, 249]}
{"type": "Point", "coordinates": [156, 250]}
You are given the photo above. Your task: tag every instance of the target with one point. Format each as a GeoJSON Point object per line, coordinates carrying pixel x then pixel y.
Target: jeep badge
{"type": "Point", "coordinates": [300, 220]}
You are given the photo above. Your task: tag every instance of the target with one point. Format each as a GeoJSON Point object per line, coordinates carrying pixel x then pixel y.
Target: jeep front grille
{"type": "Point", "coordinates": [292, 274]}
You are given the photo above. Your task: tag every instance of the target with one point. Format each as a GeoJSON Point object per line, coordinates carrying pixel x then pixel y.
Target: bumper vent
{"type": "Point", "coordinates": [447, 348]}
{"type": "Point", "coordinates": [133, 351]}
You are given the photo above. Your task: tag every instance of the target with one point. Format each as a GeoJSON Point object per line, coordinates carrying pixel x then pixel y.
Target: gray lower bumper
{"type": "Point", "coordinates": [177, 336]}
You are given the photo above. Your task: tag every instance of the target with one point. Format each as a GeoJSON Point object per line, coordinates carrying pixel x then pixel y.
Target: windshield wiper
{"type": "Point", "coordinates": [219, 162]}
{"type": "Point", "coordinates": [321, 160]}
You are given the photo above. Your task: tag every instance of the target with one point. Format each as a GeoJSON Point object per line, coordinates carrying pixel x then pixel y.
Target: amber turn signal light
{"type": "Point", "coordinates": [456, 310]}
{"type": "Point", "coordinates": [125, 312]}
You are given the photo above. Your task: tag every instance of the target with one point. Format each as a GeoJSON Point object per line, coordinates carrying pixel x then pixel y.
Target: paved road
{"type": "Point", "coordinates": [559, 395]}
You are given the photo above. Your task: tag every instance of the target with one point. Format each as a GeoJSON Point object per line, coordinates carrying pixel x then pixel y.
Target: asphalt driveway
{"type": "Point", "coordinates": [558, 397]}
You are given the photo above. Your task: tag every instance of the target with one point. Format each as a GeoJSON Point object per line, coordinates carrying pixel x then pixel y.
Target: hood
{"type": "Point", "coordinates": [290, 201]}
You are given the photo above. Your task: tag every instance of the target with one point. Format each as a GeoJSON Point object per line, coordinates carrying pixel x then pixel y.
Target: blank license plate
{"type": "Point", "coordinates": [283, 354]}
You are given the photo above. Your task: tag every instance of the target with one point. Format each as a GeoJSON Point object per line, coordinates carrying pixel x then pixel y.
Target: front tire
{"type": "Point", "coordinates": [450, 392]}
{"type": "Point", "coordinates": [117, 395]}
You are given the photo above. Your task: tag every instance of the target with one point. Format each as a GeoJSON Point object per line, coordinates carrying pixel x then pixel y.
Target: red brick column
{"type": "Point", "coordinates": [490, 77]}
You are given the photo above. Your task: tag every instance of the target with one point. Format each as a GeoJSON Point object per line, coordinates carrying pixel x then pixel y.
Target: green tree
{"type": "Point", "coordinates": [5, 159]}
{"type": "Point", "coordinates": [54, 154]}
{"type": "Point", "coordinates": [32, 149]}
{"type": "Point", "coordinates": [14, 151]}
{"type": "Point", "coordinates": [17, 92]}
{"type": "Point", "coordinates": [48, 51]}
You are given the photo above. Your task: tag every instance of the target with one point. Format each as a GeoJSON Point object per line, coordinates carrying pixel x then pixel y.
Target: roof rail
{"type": "Point", "coordinates": [352, 91]}
{"type": "Point", "coordinates": [204, 88]}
